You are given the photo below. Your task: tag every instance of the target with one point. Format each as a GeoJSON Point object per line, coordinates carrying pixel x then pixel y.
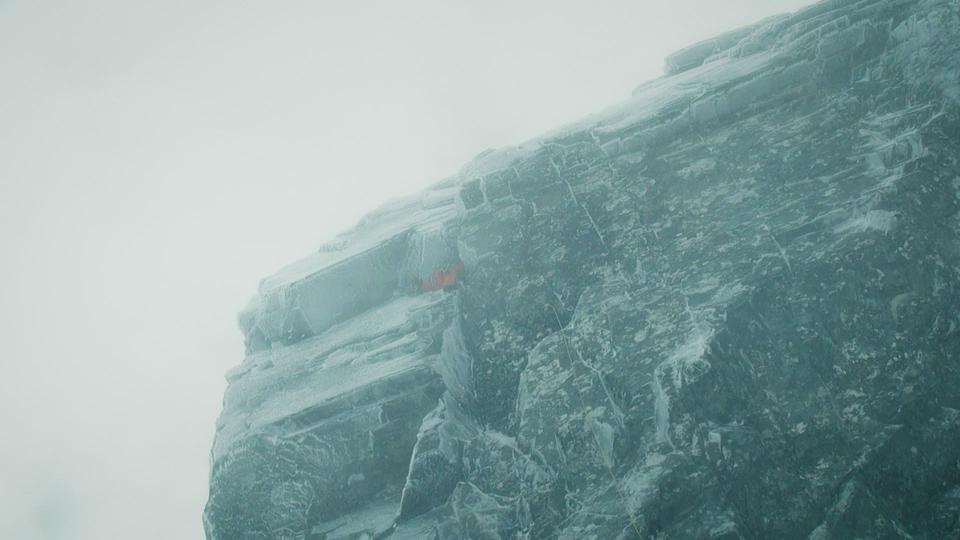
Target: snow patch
{"type": "Point", "coordinates": [603, 434]}
{"type": "Point", "coordinates": [684, 366]}
{"type": "Point", "coordinates": [875, 220]}
{"type": "Point", "coordinates": [698, 168]}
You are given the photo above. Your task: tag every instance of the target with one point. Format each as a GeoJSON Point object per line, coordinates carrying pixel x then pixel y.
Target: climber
{"type": "Point", "coordinates": [443, 279]}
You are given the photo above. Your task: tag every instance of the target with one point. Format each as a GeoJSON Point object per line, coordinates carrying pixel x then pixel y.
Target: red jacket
{"type": "Point", "coordinates": [441, 279]}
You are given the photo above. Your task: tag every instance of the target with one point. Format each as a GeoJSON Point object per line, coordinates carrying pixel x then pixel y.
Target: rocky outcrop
{"type": "Point", "coordinates": [725, 308]}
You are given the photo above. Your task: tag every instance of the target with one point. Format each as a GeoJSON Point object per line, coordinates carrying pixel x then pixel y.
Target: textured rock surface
{"type": "Point", "coordinates": [728, 307]}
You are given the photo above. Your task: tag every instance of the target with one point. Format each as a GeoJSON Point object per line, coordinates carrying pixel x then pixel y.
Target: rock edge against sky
{"type": "Point", "coordinates": [724, 308]}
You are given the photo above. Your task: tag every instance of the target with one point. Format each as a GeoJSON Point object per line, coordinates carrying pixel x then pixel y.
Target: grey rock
{"type": "Point", "coordinates": [725, 308]}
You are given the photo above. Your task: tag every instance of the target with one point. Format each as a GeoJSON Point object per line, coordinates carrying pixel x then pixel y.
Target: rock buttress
{"type": "Point", "coordinates": [725, 308]}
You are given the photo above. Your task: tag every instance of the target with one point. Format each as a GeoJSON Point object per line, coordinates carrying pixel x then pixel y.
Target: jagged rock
{"type": "Point", "coordinates": [436, 462]}
{"type": "Point", "coordinates": [725, 308]}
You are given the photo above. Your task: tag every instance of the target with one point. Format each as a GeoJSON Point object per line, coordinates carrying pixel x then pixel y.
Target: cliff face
{"type": "Point", "coordinates": [728, 307]}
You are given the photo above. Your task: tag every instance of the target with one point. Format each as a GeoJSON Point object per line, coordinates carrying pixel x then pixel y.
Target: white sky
{"type": "Point", "coordinates": [158, 158]}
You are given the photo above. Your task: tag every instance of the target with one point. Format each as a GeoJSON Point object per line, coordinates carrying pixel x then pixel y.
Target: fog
{"type": "Point", "coordinates": [158, 158]}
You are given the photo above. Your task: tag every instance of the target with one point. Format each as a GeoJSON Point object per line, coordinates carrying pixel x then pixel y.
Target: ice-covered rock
{"type": "Point", "coordinates": [724, 308]}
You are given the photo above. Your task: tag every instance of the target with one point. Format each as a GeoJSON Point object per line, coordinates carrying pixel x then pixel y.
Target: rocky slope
{"type": "Point", "coordinates": [728, 307]}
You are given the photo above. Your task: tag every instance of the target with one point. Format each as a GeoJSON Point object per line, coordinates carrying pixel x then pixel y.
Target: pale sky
{"type": "Point", "coordinates": [158, 158]}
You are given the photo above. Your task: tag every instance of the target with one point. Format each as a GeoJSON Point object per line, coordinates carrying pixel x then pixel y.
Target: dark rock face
{"type": "Point", "coordinates": [726, 308]}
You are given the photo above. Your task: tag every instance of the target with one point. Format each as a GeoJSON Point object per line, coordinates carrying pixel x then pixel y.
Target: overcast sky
{"type": "Point", "coordinates": [158, 158]}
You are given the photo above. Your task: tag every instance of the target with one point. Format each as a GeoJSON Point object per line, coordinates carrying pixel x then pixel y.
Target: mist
{"type": "Point", "coordinates": [159, 158]}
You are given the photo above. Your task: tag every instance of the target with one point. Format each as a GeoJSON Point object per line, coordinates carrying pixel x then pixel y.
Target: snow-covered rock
{"type": "Point", "coordinates": [724, 308]}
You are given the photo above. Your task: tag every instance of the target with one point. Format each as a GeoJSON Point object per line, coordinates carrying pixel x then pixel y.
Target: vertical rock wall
{"type": "Point", "coordinates": [724, 308]}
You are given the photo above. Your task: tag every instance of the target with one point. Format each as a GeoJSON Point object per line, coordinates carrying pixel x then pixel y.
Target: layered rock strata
{"type": "Point", "coordinates": [728, 307]}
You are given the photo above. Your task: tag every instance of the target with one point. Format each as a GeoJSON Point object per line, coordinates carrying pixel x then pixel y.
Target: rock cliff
{"type": "Point", "coordinates": [728, 307]}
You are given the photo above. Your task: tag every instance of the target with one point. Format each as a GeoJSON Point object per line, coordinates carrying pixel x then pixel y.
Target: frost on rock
{"type": "Point", "coordinates": [723, 308]}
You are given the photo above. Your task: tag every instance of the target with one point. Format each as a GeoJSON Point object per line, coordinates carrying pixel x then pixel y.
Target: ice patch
{"type": "Point", "coordinates": [603, 434]}
{"type": "Point", "coordinates": [641, 483]}
{"type": "Point", "coordinates": [875, 220]}
{"type": "Point", "coordinates": [698, 168]}
{"type": "Point", "coordinates": [456, 366]}
{"type": "Point", "coordinates": [661, 409]}
{"type": "Point", "coordinates": [685, 365]}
